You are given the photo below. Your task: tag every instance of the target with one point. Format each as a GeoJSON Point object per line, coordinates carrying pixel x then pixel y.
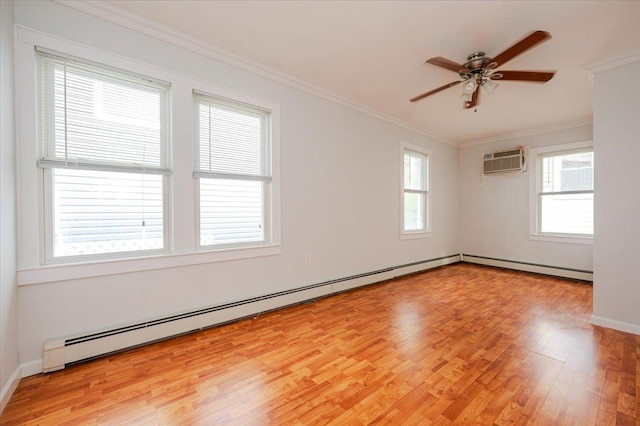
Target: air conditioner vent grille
{"type": "Point", "coordinates": [503, 162]}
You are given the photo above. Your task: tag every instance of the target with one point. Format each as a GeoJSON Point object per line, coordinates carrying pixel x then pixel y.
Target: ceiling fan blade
{"type": "Point", "coordinates": [532, 76]}
{"type": "Point", "coordinates": [431, 92]}
{"type": "Point", "coordinates": [445, 63]}
{"type": "Point", "coordinates": [520, 47]}
{"type": "Point", "coordinates": [474, 99]}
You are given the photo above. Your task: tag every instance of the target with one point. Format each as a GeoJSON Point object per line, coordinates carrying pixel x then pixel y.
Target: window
{"type": "Point", "coordinates": [233, 172]}
{"type": "Point", "coordinates": [104, 157]}
{"type": "Point", "coordinates": [564, 191]}
{"type": "Point", "coordinates": [415, 187]}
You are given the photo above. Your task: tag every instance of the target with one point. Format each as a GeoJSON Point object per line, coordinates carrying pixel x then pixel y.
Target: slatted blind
{"type": "Point", "coordinates": [96, 116]}
{"type": "Point", "coordinates": [233, 164]}
{"type": "Point", "coordinates": [104, 140]}
{"type": "Point", "coordinates": [233, 139]}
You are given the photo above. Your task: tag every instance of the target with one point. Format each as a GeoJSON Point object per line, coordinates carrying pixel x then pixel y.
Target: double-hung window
{"type": "Point", "coordinates": [415, 197]}
{"type": "Point", "coordinates": [233, 173]}
{"type": "Point", "coordinates": [104, 141]}
{"type": "Point", "coordinates": [565, 192]}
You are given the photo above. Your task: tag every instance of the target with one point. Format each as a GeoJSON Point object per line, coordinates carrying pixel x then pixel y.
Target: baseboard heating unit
{"type": "Point", "coordinates": [558, 271]}
{"type": "Point", "coordinates": [61, 352]}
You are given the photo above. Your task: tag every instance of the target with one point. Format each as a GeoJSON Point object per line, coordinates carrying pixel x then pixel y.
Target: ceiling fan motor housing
{"type": "Point", "coordinates": [475, 66]}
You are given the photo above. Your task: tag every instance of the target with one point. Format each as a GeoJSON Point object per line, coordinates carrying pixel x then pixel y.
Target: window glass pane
{"type": "Point", "coordinates": [414, 211]}
{"type": "Point", "coordinates": [231, 211]}
{"type": "Point", "coordinates": [106, 212]}
{"type": "Point", "coordinates": [415, 171]}
{"type": "Point", "coordinates": [571, 172]}
{"type": "Point", "coordinates": [567, 214]}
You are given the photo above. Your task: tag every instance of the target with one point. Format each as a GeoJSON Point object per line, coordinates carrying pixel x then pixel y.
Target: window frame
{"type": "Point", "coordinates": [535, 194]}
{"type": "Point", "coordinates": [47, 166]}
{"type": "Point", "coordinates": [267, 213]}
{"type": "Point", "coordinates": [426, 153]}
{"type": "Point", "coordinates": [182, 252]}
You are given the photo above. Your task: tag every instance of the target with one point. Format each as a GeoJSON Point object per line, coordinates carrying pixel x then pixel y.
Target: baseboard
{"type": "Point", "coordinates": [60, 352]}
{"type": "Point", "coordinates": [557, 271]}
{"type": "Point", "coordinates": [9, 388]}
{"type": "Point", "coordinates": [31, 368]}
{"type": "Point", "coordinates": [615, 324]}
{"type": "Point", "coordinates": [412, 268]}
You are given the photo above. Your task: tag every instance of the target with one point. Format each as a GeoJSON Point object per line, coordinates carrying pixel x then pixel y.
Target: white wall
{"type": "Point", "coordinates": [8, 289]}
{"type": "Point", "coordinates": [340, 191]}
{"type": "Point", "coordinates": [616, 121]}
{"type": "Point", "coordinates": [494, 211]}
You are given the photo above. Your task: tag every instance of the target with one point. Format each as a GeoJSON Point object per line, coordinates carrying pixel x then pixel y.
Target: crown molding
{"type": "Point", "coordinates": [615, 62]}
{"type": "Point", "coordinates": [107, 12]}
{"type": "Point", "coordinates": [530, 132]}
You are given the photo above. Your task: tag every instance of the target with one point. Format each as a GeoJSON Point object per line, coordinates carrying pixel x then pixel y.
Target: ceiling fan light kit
{"type": "Point", "coordinates": [478, 71]}
{"type": "Point", "coordinates": [488, 85]}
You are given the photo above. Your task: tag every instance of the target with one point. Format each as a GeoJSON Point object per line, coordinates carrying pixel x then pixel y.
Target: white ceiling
{"type": "Point", "coordinates": [373, 52]}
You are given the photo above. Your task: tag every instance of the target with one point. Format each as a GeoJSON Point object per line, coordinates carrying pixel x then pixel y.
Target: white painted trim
{"type": "Point", "coordinates": [561, 239]}
{"type": "Point", "coordinates": [412, 269]}
{"type": "Point", "coordinates": [113, 14]}
{"type": "Point", "coordinates": [9, 388]}
{"type": "Point", "coordinates": [534, 182]}
{"type": "Point", "coordinates": [414, 235]}
{"type": "Point", "coordinates": [615, 62]}
{"type": "Point", "coordinates": [411, 235]}
{"type": "Point", "coordinates": [546, 270]}
{"type": "Point", "coordinates": [30, 270]}
{"type": "Point", "coordinates": [31, 368]}
{"type": "Point", "coordinates": [530, 132]}
{"type": "Point", "coordinates": [615, 324]}
{"type": "Point", "coordinates": [63, 272]}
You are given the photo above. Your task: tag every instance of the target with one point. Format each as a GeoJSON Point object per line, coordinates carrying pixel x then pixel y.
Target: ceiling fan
{"type": "Point", "coordinates": [479, 70]}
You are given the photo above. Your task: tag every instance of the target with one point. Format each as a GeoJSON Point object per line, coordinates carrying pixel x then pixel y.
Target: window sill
{"type": "Point", "coordinates": [71, 271]}
{"type": "Point", "coordinates": [561, 239]}
{"type": "Point", "coordinates": [415, 235]}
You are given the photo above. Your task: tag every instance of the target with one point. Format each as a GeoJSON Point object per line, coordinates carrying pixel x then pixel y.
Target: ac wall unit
{"type": "Point", "coordinates": [511, 161]}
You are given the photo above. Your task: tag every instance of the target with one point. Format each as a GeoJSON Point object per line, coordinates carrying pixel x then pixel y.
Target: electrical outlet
{"type": "Point", "coordinates": [307, 259]}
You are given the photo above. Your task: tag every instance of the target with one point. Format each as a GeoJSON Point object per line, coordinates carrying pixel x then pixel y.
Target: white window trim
{"type": "Point", "coordinates": [268, 202]}
{"type": "Point", "coordinates": [536, 165]}
{"type": "Point", "coordinates": [46, 167]}
{"type": "Point", "coordinates": [182, 248]}
{"type": "Point", "coordinates": [412, 235]}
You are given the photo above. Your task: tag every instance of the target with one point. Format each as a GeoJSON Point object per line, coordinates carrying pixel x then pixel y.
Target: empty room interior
{"type": "Point", "coordinates": [319, 212]}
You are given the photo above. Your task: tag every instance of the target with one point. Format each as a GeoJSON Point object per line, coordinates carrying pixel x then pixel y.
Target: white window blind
{"type": "Point", "coordinates": [94, 115]}
{"type": "Point", "coordinates": [233, 139]}
{"type": "Point", "coordinates": [233, 167]}
{"type": "Point", "coordinates": [566, 193]}
{"type": "Point", "coordinates": [104, 148]}
{"type": "Point", "coordinates": [415, 191]}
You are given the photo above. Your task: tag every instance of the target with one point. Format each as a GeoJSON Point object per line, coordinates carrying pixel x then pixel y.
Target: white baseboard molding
{"type": "Point", "coordinates": [31, 368]}
{"type": "Point", "coordinates": [615, 324]}
{"type": "Point", "coordinates": [9, 388]}
{"type": "Point", "coordinates": [72, 349]}
{"type": "Point", "coordinates": [423, 266]}
{"type": "Point", "coordinates": [530, 267]}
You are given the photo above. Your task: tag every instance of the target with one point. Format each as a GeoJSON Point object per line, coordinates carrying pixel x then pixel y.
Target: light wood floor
{"type": "Point", "coordinates": [456, 345]}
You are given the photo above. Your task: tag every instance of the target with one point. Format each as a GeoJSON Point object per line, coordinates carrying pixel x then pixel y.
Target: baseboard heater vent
{"type": "Point", "coordinates": [61, 352]}
{"type": "Point", "coordinates": [558, 271]}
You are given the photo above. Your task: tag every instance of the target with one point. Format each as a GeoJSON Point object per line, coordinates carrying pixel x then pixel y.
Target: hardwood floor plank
{"type": "Point", "coordinates": [462, 344]}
